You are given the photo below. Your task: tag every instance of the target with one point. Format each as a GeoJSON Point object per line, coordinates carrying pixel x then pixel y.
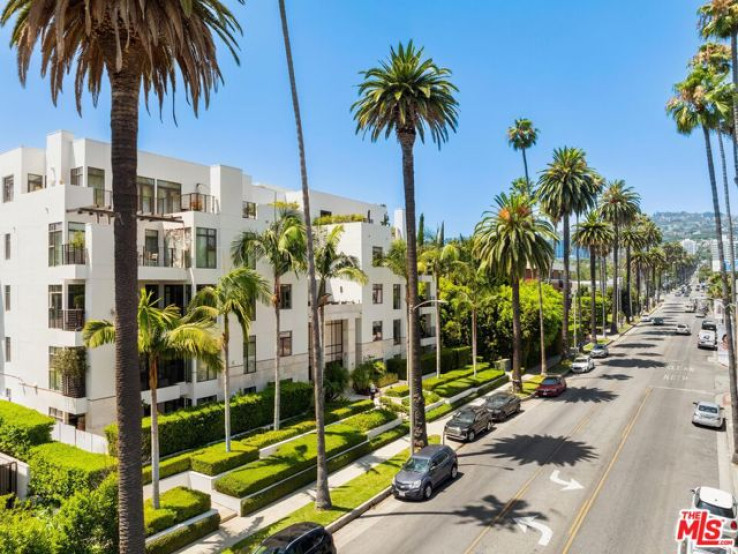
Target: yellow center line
{"type": "Point", "coordinates": [524, 488]}
{"type": "Point", "coordinates": [587, 506]}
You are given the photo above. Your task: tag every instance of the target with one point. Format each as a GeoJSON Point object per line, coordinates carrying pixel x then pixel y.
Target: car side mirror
{"type": "Point", "coordinates": [692, 490]}
{"type": "Point", "coordinates": [694, 403]}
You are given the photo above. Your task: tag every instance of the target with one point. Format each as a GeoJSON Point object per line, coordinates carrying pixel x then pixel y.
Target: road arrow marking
{"type": "Point", "coordinates": [544, 530]}
{"type": "Point", "coordinates": [568, 485]}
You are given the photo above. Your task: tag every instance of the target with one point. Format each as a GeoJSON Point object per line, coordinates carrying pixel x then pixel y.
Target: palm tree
{"type": "Point", "coordinates": [620, 204]}
{"type": "Point", "coordinates": [521, 136]}
{"type": "Point", "coordinates": [236, 293]}
{"type": "Point", "coordinates": [161, 332]}
{"type": "Point", "coordinates": [595, 234]}
{"type": "Point", "coordinates": [437, 258]}
{"type": "Point", "coordinates": [282, 245]}
{"type": "Point", "coordinates": [139, 45]}
{"type": "Point", "coordinates": [568, 186]}
{"type": "Point", "coordinates": [639, 260]}
{"type": "Point", "coordinates": [698, 102]}
{"type": "Point", "coordinates": [632, 239]}
{"type": "Point", "coordinates": [508, 240]}
{"type": "Point", "coordinates": [408, 95]}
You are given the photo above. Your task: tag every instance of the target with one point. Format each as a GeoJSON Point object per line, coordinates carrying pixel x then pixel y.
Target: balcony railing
{"type": "Point", "coordinates": [427, 333]}
{"type": "Point", "coordinates": [68, 254]}
{"type": "Point", "coordinates": [164, 257]}
{"type": "Point", "coordinates": [102, 198]}
{"type": "Point", "coordinates": [67, 320]}
{"type": "Point", "coordinates": [198, 202]}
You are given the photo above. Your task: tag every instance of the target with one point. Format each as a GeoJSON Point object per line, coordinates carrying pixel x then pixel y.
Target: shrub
{"type": "Point", "coordinates": [22, 428]}
{"type": "Point", "coordinates": [439, 412]}
{"type": "Point", "coordinates": [336, 380]}
{"type": "Point", "coordinates": [215, 460]}
{"type": "Point", "coordinates": [393, 406]}
{"type": "Point", "coordinates": [370, 420]}
{"type": "Point", "coordinates": [429, 396]}
{"type": "Point", "coordinates": [332, 219]}
{"type": "Point", "coordinates": [175, 506]}
{"type": "Point", "coordinates": [268, 438]}
{"type": "Point", "coordinates": [180, 538]}
{"type": "Point", "coordinates": [21, 532]}
{"type": "Point", "coordinates": [398, 366]}
{"type": "Point", "coordinates": [343, 412]}
{"type": "Point", "coordinates": [367, 373]}
{"type": "Point", "coordinates": [168, 467]}
{"type": "Point", "coordinates": [59, 470]}
{"type": "Point", "coordinates": [386, 379]}
{"type": "Point", "coordinates": [452, 388]}
{"type": "Point", "coordinates": [398, 391]}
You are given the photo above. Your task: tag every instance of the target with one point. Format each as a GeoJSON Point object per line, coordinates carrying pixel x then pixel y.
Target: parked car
{"type": "Point", "coordinates": [658, 320]}
{"type": "Point", "coordinates": [599, 351]}
{"type": "Point", "coordinates": [709, 325]}
{"type": "Point", "coordinates": [682, 329]}
{"type": "Point", "coordinates": [425, 471]}
{"type": "Point", "coordinates": [720, 504]}
{"type": "Point", "coordinates": [708, 414]}
{"type": "Point", "coordinates": [502, 405]}
{"type": "Point", "coordinates": [645, 318]}
{"type": "Point", "coordinates": [582, 364]}
{"type": "Point", "coordinates": [467, 423]}
{"type": "Point", "coordinates": [707, 339]}
{"type": "Point", "coordinates": [553, 385]}
{"type": "Point", "coordinates": [300, 538]}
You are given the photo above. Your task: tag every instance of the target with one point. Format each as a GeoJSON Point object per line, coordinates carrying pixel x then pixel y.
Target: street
{"type": "Point", "coordinates": [605, 468]}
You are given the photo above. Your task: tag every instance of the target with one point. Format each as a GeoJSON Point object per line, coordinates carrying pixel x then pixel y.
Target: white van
{"type": "Point", "coordinates": [707, 339]}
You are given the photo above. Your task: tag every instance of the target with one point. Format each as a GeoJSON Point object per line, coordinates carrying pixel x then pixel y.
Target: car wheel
{"type": "Point", "coordinates": [489, 425]}
{"type": "Point", "coordinates": [472, 436]}
{"type": "Point", "coordinates": [427, 491]}
{"type": "Point", "coordinates": [454, 472]}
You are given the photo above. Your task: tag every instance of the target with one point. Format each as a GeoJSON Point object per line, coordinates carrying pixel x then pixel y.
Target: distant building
{"type": "Point", "coordinates": [690, 246]}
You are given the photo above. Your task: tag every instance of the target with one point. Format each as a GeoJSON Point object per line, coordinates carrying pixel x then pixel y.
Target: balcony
{"type": "Point", "coordinates": [102, 198]}
{"type": "Point", "coordinates": [70, 254]}
{"type": "Point", "coordinates": [67, 320]}
{"type": "Point", "coordinates": [197, 202]}
{"type": "Point", "coordinates": [165, 257]}
{"type": "Point", "coordinates": [427, 332]}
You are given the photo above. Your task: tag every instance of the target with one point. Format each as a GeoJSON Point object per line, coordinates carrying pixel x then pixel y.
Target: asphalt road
{"type": "Point", "coordinates": [623, 433]}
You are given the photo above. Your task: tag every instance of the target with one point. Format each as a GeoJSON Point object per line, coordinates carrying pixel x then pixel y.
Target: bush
{"type": "Point", "coordinates": [337, 414]}
{"type": "Point", "coordinates": [393, 406]}
{"type": "Point", "coordinates": [268, 438]}
{"type": "Point", "coordinates": [333, 219]}
{"type": "Point", "coordinates": [22, 532]}
{"type": "Point", "coordinates": [366, 373]}
{"type": "Point", "coordinates": [435, 382]}
{"type": "Point", "coordinates": [387, 379]}
{"type": "Point", "coordinates": [370, 420]}
{"type": "Point", "coordinates": [214, 460]}
{"type": "Point", "coordinates": [335, 381]}
{"type": "Point", "coordinates": [59, 470]}
{"type": "Point", "coordinates": [439, 412]}
{"type": "Point", "coordinates": [398, 366]}
{"type": "Point", "coordinates": [429, 396]}
{"type": "Point", "coordinates": [22, 428]}
{"type": "Point", "coordinates": [451, 358]}
{"type": "Point", "coordinates": [168, 467]}
{"type": "Point", "coordinates": [398, 391]}
{"type": "Point", "coordinates": [175, 506]}
{"type": "Point", "coordinates": [180, 538]}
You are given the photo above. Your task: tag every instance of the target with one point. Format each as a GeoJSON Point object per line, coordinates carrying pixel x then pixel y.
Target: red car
{"type": "Point", "coordinates": [551, 386]}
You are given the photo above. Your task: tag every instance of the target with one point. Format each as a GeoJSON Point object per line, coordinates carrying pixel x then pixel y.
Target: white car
{"type": "Point", "coordinates": [599, 351]}
{"type": "Point", "coordinates": [582, 364]}
{"type": "Point", "coordinates": [720, 504]}
{"type": "Point", "coordinates": [645, 318]}
{"type": "Point", "coordinates": [708, 414]}
{"type": "Point", "coordinates": [682, 329]}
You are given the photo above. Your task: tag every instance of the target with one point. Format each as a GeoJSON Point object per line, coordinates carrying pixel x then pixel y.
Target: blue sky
{"type": "Point", "coordinates": [590, 73]}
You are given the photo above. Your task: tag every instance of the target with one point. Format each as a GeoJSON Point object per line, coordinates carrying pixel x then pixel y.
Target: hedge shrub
{"type": "Point", "coordinates": [214, 460]}
{"type": "Point", "coordinates": [434, 382]}
{"type": "Point", "coordinates": [180, 538]}
{"type": "Point", "coordinates": [370, 420]}
{"type": "Point", "coordinates": [429, 396]}
{"type": "Point", "coordinates": [398, 391]}
{"type": "Point", "coordinates": [386, 380]}
{"type": "Point", "coordinates": [22, 428]}
{"type": "Point", "coordinates": [338, 414]}
{"type": "Point", "coordinates": [168, 467]}
{"type": "Point", "coordinates": [451, 358]}
{"type": "Point", "coordinates": [175, 506]}
{"type": "Point", "coordinates": [59, 470]}
{"type": "Point", "coordinates": [395, 407]}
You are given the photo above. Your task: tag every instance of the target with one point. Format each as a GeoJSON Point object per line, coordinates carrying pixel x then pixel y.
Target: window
{"type": "Point", "coordinates": [285, 297]}
{"type": "Point", "coordinates": [377, 294]}
{"type": "Point", "coordinates": [396, 297]}
{"type": "Point", "coordinates": [205, 372]}
{"type": "Point", "coordinates": [96, 180]}
{"type": "Point", "coordinates": [285, 344]}
{"type": "Point", "coordinates": [168, 197]}
{"type": "Point", "coordinates": [151, 248]}
{"type": "Point", "coordinates": [8, 189]}
{"type": "Point", "coordinates": [56, 316]}
{"type": "Point", "coordinates": [397, 331]}
{"type": "Point", "coordinates": [325, 213]}
{"type": "Point", "coordinates": [35, 182]}
{"type": "Point", "coordinates": [56, 414]}
{"type": "Point", "coordinates": [145, 195]}
{"type": "Point", "coordinates": [75, 176]}
{"type": "Point", "coordinates": [55, 244]}
{"type": "Point", "coordinates": [7, 298]}
{"type": "Point", "coordinates": [377, 255]}
{"type": "Point", "coordinates": [377, 330]}
{"type": "Point", "coordinates": [249, 210]}
{"type": "Point", "coordinates": [7, 349]}
{"type": "Point", "coordinates": [206, 248]}
{"type": "Point", "coordinates": [55, 378]}
{"type": "Point", "coordinates": [7, 246]}
{"type": "Point", "coordinates": [249, 355]}
{"type": "Point", "coordinates": [207, 399]}
{"type": "Point", "coordinates": [248, 390]}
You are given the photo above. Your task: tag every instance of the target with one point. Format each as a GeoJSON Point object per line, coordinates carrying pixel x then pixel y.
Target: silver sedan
{"type": "Point", "coordinates": [708, 414]}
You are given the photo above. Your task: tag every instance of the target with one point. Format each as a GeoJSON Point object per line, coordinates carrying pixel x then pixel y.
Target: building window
{"type": "Point", "coordinates": [75, 176]}
{"type": "Point", "coordinates": [377, 255]}
{"type": "Point", "coordinates": [207, 399]}
{"type": "Point", "coordinates": [397, 331]}
{"type": "Point", "coordinates": [96, 181]}
{"type": "Point", "coordinates": [8, 356]}
{"type": "Point", "coordinates": [7, 298]}
{"type": "Point", "coordinates": [249, 210]}
{"type": "Point", "coordinates": [396, 297]}
{"type": "Point", "coordinates": [377, 330]}
{"type": "Point", "coordinates": [325, 213]}
{"type": "Point", "coordinates": [248, 390]}
{"type": "Point", "coordinates": [206, 248]}
{"type": "Point", "coordinates": [168, 197]}
{"type": "Point", "coordinates": [285, 344]}
{"type": "Point", "coordinates": [377, 294]}
{"type": "Point", "coordinates": [55, 378]}
{"type": "Point", "coordinates": [145, 195]}
{"type": "Point", "coordinates": [205, 372]}
{"type": "Point", "coordinates": [56, 414]}
{"type": "Point", "coordinates": [8, 189]}
{"type": "Point", "coordinates": [7, 246]}
{"type": "Point", "coordinates": [249, 355]}
{"type": "Point", "coordinates": [55, 244]}
{"type": "Point", "coordinates": [285, 297]}
{"type": "Point", "coordinates": [35, 182]}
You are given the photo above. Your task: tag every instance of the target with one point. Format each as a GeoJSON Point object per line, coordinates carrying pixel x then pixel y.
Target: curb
{"type": "Point", "coordinates": [358, 511]}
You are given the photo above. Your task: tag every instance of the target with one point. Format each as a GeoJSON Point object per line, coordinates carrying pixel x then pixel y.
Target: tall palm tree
{"type": "Point", "coordinates": [235, 294]}
{"type": "Point", "coordinates": [521, 136]}
{"type": "Point", "coordinates": [509, 239]}
{"type": "Point", "coordinates": [595, 234]}
{"type": "Point", "coordinates": [619, 205]}
{"type": "Point", "coordinates": [698, 102]}
{"type": "Point", "coordinates": [282, 245]}
{"type": "Point", "coordinates": [161, 332]}
{"type": "Point", "coordinates": [639, 260]}
{"type": "Point", "coordinates": [632, 239]}
{"type": "Point", "coordinates": [408, 95]}
{"type": "Point", "coordinates": [568, 186]}
{"type": "Point", "coordinates": [138, 45]}
{"type": "Point", "coordinates": [437, 258]}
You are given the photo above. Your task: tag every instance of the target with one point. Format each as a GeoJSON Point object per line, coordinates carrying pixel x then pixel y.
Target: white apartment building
{"type": "Point", "coordinates": [56, 272]}
{"type": "Point", "coordinates": [689, 246]}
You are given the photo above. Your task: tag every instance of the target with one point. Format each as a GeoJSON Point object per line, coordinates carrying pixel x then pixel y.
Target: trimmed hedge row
{"type": "Point", "coordinates": [451, 358]}
{"type": "Point", "coordinates": [168, 467]}
{"type": "Point", "coordinates": [370, 420]}
{"type": "Point", "coordinates": [21, 429]}
{"type": "Point", "coordinates": [215, 460]}
{"type": "Point", "coordinates": [175, 506]}
{"type": "Point", "coordinates": [397, 391]}
{"type": "Point", "coordinates": [444, 409]}
{"type": "Point", "coordinates": [184, 536]}
{"type": "Point", "coordinates": [452, 388]}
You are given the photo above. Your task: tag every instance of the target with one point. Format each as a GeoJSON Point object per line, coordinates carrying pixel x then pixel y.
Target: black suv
{"type": "Point", "coordinates": [300, 538]}
{"type": "Point", "coordinates": [425, 471]}
{"type": "Point", "coordinates": [502, 405]}
{"type": "Point", "coordinates": [467, 423]}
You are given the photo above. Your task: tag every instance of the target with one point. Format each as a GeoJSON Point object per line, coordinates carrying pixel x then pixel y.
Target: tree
{"type": "Point", "coordinates": [138, 45]}
{"type": "Point", "coordinates": [410, 96]}
{"type": "Point", "coordinates": [162, 332]}
{"type": "Point", "coordinates": [282, 245]}
{"type": "Point", "coordinates": [508, 240]}
{"type": "Point", "coordinates": [567, 186]}
{"type": "Point", "coordinates": [595, 234]}
{"type": "Point", "coordinates": [521, 136]}
{"type": "Point", "coordinates": [632, 240]}
{"type": "Point", "coordinates": [236, 293]}
{"type": "Point", "coordinates": [620, 204]}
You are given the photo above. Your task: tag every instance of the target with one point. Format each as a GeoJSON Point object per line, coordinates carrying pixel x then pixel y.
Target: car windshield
{"type": "Point", "coordinates": [463, 418]}
{"type": "Point", "coordinates": [715, 510]}
{"type": "Point", "coordinates": [708, 409]}
{"type": "Point", "coordinates": [550, 381]}
{"type": "Point", "coordinates": [599, 347]}
{"type": "Point", "coordinates": [580, 360]}
{"type": "Point", "coordinates": [497, 401]}
{"type": "Point", "coordinates": [416, 465]}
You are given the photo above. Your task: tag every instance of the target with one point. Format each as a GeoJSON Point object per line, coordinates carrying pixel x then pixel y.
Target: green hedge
{"type": "Point", "coordinates": [184, 536]}
{"type": "Point", "coordinates": [370, 420]}
{"type": "Point", "coordinates": [168, 467]}
{"type": "Point", "coordinates": [452, 388]}
{"type": "Point", "coordinates": [429, 396]}
{"type": "Point", "coordinates": [451, 358]}
{"type": "Point", "coordinates": [395, 407]}
{"type": "Point", "coordinates": [434, 382]}
{"type": "Point", "coordinates": [22, 428]}
{"type": "Point", "coordinates": [59, 470]}
{"type": "Point", "coordinates": [398, 391]}
{"type": "Point", "coordinates": [200, 425]}
{"type": "Point", "coordinates": [175, 506]}
{"type": "Point", "coordinates": [387, 379]}
{"type": "Point", "coordinates": [214, 460]}
{"type": "Point", "coordinates": [288, 459]}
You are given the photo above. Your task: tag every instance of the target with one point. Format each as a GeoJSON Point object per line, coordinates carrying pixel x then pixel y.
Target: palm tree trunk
{"type": "Point", "coordinates": [438, 327]}
{"type": "Point", "coordinates": [725, 294]}
{"type": "Point", "coordinates": [322, 498]}
{"type": "Point", "coordinates": [627, 283]}
{"type": "Point", "coordinates": [638, 286]}
{"type": "Point", "coordinates": [565, 321]}
{"type": "Point", "coordinates": [615, 291]}
{"type": "Point", "coordinates": [420, 434]}
{"type": "Point", "coordinates": [516, 379]}
{"type": "Point", "coordinates": [277, 363]}
{"type": "Point", "coordinates": [603, 292]}
{"type": "Point", "coordinates": [542, 329]}
{"type": "Point", "coordinates": [525, 165]}
{"type": "Point", "coordinates": [125, 88]}
{"type": "Point", "coordinates": [579, 301]}
{"type": "Point", "coordinates": [226, 383]}
{"type": "Point", "coordinates": [728, 215]}
{"type": "Point", "coordinates": [474, 339]}
{"type": "Point", "coordinates": [153, 385]}
{"type": "Point", "coordinates": [593, 293]}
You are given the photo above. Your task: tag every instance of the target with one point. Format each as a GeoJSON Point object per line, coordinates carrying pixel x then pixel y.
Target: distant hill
{"type": "Point", "coordinates": [681, 225]}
